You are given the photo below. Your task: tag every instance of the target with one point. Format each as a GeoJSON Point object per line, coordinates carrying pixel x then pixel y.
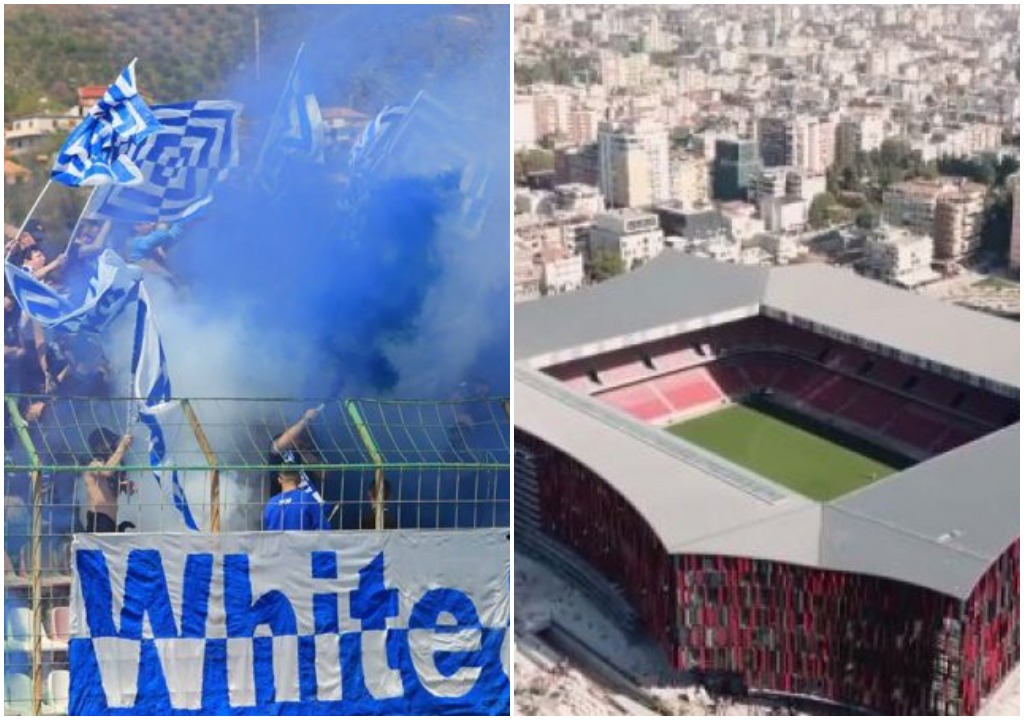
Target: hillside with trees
{"type": "Point", "coordinates": [188, 51]}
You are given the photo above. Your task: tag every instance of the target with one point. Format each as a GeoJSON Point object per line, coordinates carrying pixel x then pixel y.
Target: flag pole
{"type": "Point", "coordinates": [78, 222]}
{"type": "Point", "coordinates": [28, 217]}
{"type": "Point", "coordinates": [277, 111]}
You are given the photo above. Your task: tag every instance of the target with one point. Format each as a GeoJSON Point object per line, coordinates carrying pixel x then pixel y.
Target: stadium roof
{"type": "Point", "coordinates": [925, 525]}
{"type": "Point", "coordinates": [675, 289]}
{"type": "Point", "coordinates": [663, 292]}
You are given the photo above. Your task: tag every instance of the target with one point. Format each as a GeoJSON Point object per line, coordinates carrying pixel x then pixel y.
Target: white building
{"type": "Point", "coordinates": [899, 256]}
{"type": "Point", "coordinates": [783, 214]}
{"type": "Point", "coordinates": [623, 71]}
{"type": "Point", "coordinates": [859, 132]}
{"type": "Point", "coordinates": [579, 199]}
{"type": "Point", "coordinates": [561, 273]}
{"type": "Point", "coordinates": [28, 134]}
{"type": "Point", "coordinates": [533, 202]}
{"type": "Point", "coordinates": [527, 275]}
{"type": "Point", "coordinates": [635, 236]}
{"type": "Point", "coordinates": [523, 123]}
{"type": "Point", "coordinates": [634, 163]}
{"type": "Point", "coordinates": [721, 248]}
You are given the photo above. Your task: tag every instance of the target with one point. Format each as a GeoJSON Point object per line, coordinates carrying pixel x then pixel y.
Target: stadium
{"type": "Point", "coordinates": [797, 479]}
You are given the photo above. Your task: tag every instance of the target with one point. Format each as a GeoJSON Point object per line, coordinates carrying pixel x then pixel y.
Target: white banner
{"type": "Point", "coordinates": [339, 623]}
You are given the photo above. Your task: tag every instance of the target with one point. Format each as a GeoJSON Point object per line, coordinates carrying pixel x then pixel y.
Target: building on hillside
{"type": "Point", "coordinates": [31, 133]}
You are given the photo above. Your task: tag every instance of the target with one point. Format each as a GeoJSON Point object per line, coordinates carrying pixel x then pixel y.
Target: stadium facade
{"type": "Point", "coordinates": [899, 597]}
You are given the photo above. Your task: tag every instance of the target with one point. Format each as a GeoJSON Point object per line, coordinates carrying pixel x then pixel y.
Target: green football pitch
{"type": "Point", "coordinates": [806, 455]}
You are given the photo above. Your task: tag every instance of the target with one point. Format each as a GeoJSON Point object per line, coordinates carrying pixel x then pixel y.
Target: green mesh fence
{"type": "Point", "coordinates": [376, 464]}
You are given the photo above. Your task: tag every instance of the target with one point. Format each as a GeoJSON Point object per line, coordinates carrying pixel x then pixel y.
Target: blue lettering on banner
{"type": "Point", "coordinates": [169, 652]}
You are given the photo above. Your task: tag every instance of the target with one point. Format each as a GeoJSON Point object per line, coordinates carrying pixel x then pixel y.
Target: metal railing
{"type": "Point", "coordinates": [376, 464]}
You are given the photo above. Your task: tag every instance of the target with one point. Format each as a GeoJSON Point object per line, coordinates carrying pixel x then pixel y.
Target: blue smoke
{"type": "Point", "coordinates": [380, 287]}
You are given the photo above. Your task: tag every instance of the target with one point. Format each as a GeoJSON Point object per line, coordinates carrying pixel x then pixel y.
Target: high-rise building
{"type": "Point", "coordinates": [804, 142]}
{"type": "Point", "coordinates": [634, 163]}
{"type": "Point", "coordinates": [959, 215]}
{"type": "Point", "coordinates": [582, 127]}
{"type": "Point", "coordinates": [578, 165]}
{"type": "Point", "coordinates": [735, 168]}
{"type": "Point", "coordinates": [524, 126]}
{"type": "Point", "coordinates": [689, 179]}
{"type": "Point", "coordinates": [860, 132]}
{"type": "Point", "coordinates": [551, 113]}
{"type": "Point", "coordinates": [775, 141]}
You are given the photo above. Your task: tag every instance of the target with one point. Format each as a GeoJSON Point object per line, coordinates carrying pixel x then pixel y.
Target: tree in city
{"type": "Point", "coordinates": [818, 214]}
{"type": "Point", "coordinates": [996, 225]}
{"type": "Point", "coordinates": [530, 161]}
{"type": "Point", "coordinates": [606, 264]}
{"type": "Point", "coordinates": [867, 218]}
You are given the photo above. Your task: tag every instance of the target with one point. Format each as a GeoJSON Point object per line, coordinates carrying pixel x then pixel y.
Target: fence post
{"type": "Point", "coordinates": [211, 460]}
{"type": "Point", "coordinates": [37, 553]}
{"type": "Point", "coordinates": [378, 460]}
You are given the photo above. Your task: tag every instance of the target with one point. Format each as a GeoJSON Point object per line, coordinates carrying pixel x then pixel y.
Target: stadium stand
{"type": "Point", "coordinates": [898, 597]}
{"type": "Point", "coordinates": [672, 378]}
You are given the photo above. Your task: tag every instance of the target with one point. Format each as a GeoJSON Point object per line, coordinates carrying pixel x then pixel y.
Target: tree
{"type": "Point", "coordinates": [996, 225]}
{"type": "Point", "coordinates": [534, 160]}
{"type": "Point", "coordinates": [606, 264]}
{"type": "Point", "coordinates": [817, 215]}
{"type": "Point", "coordinates": [867, 218]}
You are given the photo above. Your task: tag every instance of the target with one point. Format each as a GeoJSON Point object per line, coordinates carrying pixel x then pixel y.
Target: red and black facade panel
{"type": "Point", "coordinates": [859, 640]}
{"type": "Point", "coordinates": [580, 509]}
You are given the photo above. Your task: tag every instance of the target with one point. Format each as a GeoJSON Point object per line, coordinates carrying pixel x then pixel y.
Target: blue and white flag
{"type": "Point", "coordinates": [179, 166]}
{"type": "Point", "coordinates": [96, 151]}
{"type": "Point", "coordinates": [296, 130]}
{"type": "Point", "coordinates": [378, 136]}
{"type": "Point", "coordinates": [152, 385]}
{"type": "Point", "coordinates": [302, 132]}
{"type": "Point", "coordinates": [112, 287]}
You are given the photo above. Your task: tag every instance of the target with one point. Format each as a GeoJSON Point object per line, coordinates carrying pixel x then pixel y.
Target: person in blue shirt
{"type": "Point", "coordinates": [295, 507]}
